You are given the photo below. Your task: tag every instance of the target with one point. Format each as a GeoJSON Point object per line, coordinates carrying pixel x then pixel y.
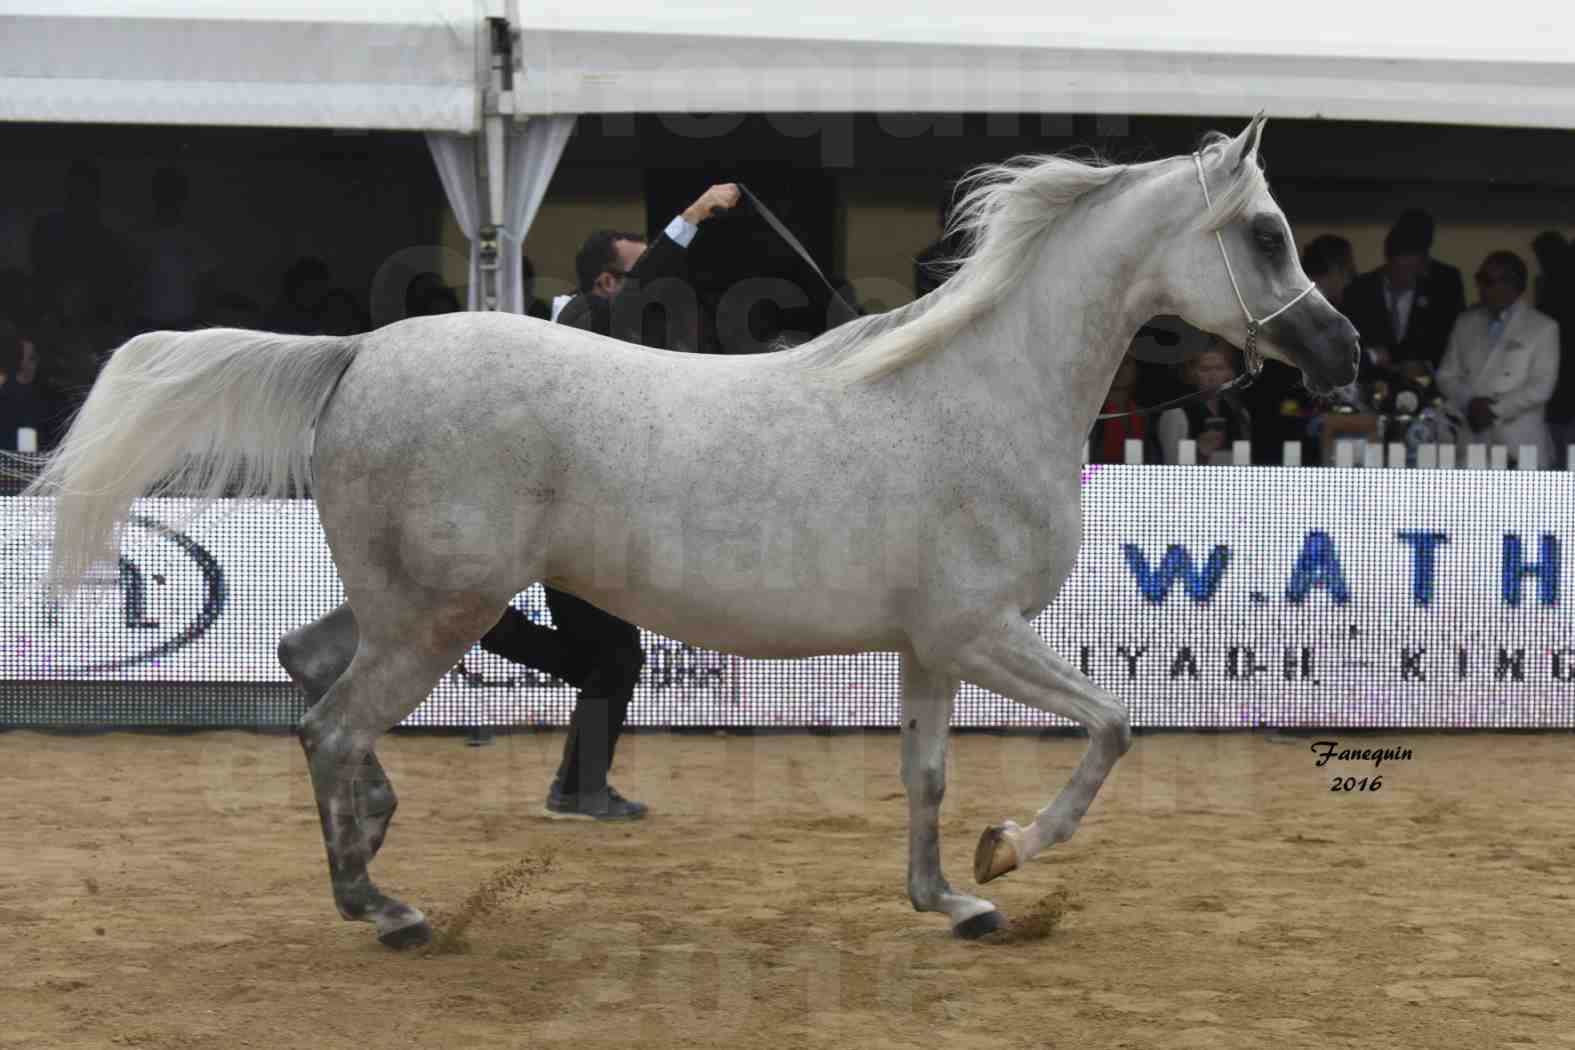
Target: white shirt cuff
{"type": "Point", "coordinates": [681, 231]}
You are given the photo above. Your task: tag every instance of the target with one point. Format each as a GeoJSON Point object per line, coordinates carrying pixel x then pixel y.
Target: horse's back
{"type": "Point", "coordinates": [509, 437]}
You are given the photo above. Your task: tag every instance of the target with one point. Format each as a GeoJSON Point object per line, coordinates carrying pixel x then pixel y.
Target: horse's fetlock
{"type": "Point", "coordinates": [357, 898]}
{"type": "Point", "coordinates": [926, 896]}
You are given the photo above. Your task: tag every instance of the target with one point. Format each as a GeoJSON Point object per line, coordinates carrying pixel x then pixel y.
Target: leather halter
{"type": "Point", "coordinates": [1254, 359]}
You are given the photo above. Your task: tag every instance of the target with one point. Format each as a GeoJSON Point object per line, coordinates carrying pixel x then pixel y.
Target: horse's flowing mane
{"type": "Point", "coordinates": [1003, 214]}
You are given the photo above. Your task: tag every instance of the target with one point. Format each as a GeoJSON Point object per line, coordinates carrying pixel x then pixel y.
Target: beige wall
{"type": "Point", "coordinates": [887, 221]}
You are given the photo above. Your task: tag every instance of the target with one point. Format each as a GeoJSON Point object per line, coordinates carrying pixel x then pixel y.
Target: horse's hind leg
{"type": "Point", "coordinates": [315, 656]}
{"type": "Point", "coordinates": [405, 644]}
{"type": "Point", "coordinates": [1012, 660]}
{"type": "Point", "coordinates": [927, 700]}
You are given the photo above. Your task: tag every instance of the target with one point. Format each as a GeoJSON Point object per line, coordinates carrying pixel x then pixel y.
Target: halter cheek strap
{"type": "Point", "coordinates": [1254, 359]}
{"type": "Point", "coordinates": [1249, 351]}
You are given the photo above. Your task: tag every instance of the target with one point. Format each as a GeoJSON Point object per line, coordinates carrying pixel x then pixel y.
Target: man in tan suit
{"type": "Point", "coordinates": [1502, 362]}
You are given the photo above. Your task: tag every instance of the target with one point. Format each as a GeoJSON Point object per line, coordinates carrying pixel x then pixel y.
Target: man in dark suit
{"type": "Point", "coordinates": [638, 294]}
{"type": "Point", "coordinates": [1405, 309]}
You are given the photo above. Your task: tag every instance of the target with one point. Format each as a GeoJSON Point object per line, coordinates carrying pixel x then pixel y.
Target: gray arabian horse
{"type": "Point", "coordinates": [907, 482]}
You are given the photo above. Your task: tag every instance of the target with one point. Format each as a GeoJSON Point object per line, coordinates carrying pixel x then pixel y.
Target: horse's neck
{"type": "Point", "coordinates": [1047, 354]}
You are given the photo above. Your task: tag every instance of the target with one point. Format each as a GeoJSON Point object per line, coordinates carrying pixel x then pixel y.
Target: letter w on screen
{"type": "Point", "coordinates": [1155, 583]}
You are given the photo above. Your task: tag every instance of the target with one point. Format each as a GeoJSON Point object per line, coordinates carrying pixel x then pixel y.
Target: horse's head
{"type": "Point", "coordinates": [1235, 269]}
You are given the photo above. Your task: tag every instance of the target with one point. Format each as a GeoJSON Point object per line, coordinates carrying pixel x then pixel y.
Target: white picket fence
{"type": "Point", "coordinates": [1354, 452]}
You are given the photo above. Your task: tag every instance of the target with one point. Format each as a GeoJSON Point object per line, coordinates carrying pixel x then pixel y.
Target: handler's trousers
{"type": "Point", "coordinates": [592, 650]}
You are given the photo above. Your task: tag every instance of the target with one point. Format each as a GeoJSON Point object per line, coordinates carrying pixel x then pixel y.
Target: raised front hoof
{"type": "Point", "coordinates": [996, 854]}
{"type": "Point", "coordinates": [981, 924]}
{"type": "Point", "coordinates": [415, 935]}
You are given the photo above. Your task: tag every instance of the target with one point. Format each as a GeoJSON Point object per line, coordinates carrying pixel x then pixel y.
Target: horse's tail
{"type": "Point", "coordinates": [206, 414]}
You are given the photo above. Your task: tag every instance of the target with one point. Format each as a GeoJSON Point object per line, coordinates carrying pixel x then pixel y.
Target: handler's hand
{"type": "Point", "coordinates": [716, 199]}
{"type": "Point", "coordinates": [1481, 414]}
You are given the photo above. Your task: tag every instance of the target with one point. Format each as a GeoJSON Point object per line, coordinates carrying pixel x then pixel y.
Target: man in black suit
{"type": "Point", "coordinates": [641, 293]}
{"type": "Point", "coordinates": [638, 294]}
{"type": "Point", "coordinates": [1405, 309]}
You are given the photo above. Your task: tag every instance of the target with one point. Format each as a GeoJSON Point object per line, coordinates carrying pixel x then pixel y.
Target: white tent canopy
{"type": "Point", "coordinates": [1340, 59]}
{"type": "Point", "coordinates": [421, 64]}
{"type": "Point", "coordinates": [429, 65]}
{"type": "Point", "coordinates": [396, 64]}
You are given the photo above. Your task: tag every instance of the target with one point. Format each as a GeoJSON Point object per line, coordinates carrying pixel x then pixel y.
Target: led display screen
{"type": "Point", "coordinates": [1201, 597]}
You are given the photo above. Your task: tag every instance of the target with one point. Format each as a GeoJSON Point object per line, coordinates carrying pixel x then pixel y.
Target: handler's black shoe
{"type": "Point", "coordinates": [605, 804]}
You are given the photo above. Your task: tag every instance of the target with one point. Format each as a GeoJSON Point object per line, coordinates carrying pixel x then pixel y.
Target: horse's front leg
{"type": "Point", "coordinates": [927, 700]}
{"type": "Point", "coordinates": [1012, 660]}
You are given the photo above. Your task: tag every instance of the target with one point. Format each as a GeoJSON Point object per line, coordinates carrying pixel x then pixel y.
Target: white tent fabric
{"type": "Point", "coordinates": [1339, 59]}
{"type": "Point", "coordinates": [420, 64]}
{"type": "Point", "coordinates": [396, 65]}
{"type": "Point", "coordinates": [534, 149]}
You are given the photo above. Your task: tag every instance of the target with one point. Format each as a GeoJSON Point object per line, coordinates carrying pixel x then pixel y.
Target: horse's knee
{"type": "Point", "coordinates": [1119, 733]}
{"type": "Point", "coordinates": [1112, 729]}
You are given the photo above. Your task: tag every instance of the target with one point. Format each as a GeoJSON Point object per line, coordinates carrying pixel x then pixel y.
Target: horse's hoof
{"type": "Point", "coordinates": [981, 924]}
{"type": "Point", "coordinates": [413, 936]}
{"type": "Point", "coordinates": [995, 855]}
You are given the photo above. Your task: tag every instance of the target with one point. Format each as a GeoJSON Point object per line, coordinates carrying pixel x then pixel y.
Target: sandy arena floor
{"type": "Point", "coordinates": [170, 892]}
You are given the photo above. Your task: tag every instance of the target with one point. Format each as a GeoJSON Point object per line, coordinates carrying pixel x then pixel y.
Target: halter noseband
{"type": "Point", "coordinates": [1254, 359]}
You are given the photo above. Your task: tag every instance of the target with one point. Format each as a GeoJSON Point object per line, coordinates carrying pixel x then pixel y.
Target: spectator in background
{"type": "Point", "coordinates": [75, 341]}
{"type": "Point", "coordinates": [174, 263]}
{"type": "Point", "coordinates": [1277, 400]}
{"type": "Point", "coordinates": [534, 307]}
{"type": "Point", "coordinates": [1331, 264]}
{"type": "Point", "coordinates": [306, 283]}
{"type": "Point", "coordinates": [1405, 309]}
{"type": "Point", "coordinates": [75, 243]}
{"type": "Point", "coordinates": [1107, 440]}
{"type": "Point", "coordinates": [1555, 296]}
{"type": "Point", "coordinates": [427, 295]}
{"type": "Point", "coordinates": [21, 403]}
{"type": "Point", "coordinates": [1503, 361]}
{"type": "Point", "coordinates": [1553, 266]}
{"type": "Point", "coordinates": [17, 301]}
{"type": "Point", "coordinates": [1216, 422]}
{"type": "Point", "coordinates": [234, 310]}
{"type": "Point", "coordinates": [340, 314]}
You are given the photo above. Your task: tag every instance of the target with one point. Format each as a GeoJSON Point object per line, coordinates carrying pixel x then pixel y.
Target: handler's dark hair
{"type": "Point", "coordinates": [599, 255]}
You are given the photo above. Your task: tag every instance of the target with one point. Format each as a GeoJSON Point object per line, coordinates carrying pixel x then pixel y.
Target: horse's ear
{"type": "Point", "coordinates": [1245, 146]}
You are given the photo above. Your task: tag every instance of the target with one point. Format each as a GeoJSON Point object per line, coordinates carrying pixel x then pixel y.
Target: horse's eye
{"type": "Point", "coordinates": [1270, 242]}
